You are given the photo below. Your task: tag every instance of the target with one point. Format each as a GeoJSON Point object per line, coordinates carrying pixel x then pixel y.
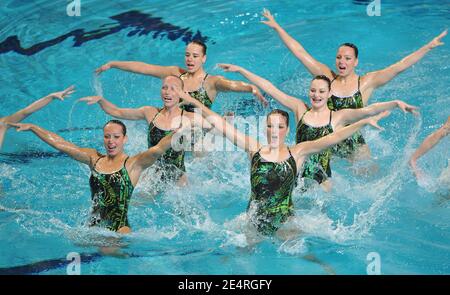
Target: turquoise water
{"type": "Point", "coordinates": [44, 196]}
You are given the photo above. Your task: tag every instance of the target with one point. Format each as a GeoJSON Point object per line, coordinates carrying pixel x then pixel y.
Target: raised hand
{"type": "Point", "coordinates": [63, 94]}
{"type": "Point", "coordinates": [91, 99]}
{"type": "Point", "coordinates": [103, 68]}
{"type": "Point", "coordinates": [407, 108]}
{"type": "Point", "coordinates": [256, 92]}
{"type": "Point", "coordinates": [270, 19]}
{"type": "Point", "coordinates": [185, 97]}
{"type": "Point", "coordinates": [229, 67]}
{"type": "Point", "coordinates": [20, 126]}
{"type": "Point", "coordinates": [418, 173]}
{"type": "Point", "coordinates": [437, 40]}
{"type": "Point", "coordinates": [374, 119]}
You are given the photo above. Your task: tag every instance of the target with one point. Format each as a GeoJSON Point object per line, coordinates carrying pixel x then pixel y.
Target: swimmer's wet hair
{"type": "Point", "coordinates": [279, 112]}
{"type": "Point", "coordinates": [118, 122]}
{"type": "Point", "coordinates": [351, 45]}
{"type": "Point", "coordinates": [324, 78]}
{"type": "Point", "coordinates": [181, 80]}
{"type": "Point", "coordinates": [203, 45]}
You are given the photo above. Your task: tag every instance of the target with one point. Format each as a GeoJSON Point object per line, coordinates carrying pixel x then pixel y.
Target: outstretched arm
{"type": "Point", "coordinates": [141, 68]}
{"type": "Point", "coordinates": [39, 104]}
{"type": "Point", "coordinates": [82, 155]}
{"type": "Point", "coordinates": [348, 116]}
{"type": "Point", "coordinates": [222, 84]}
{"type": "Point", "coordinates": [295, 105]}
{"type": "Point", "coordinates": [3, 129]}
{"type": "Point", "coordinates": [239, 139]}
{"type": "Point", "coordinates": [428, 144]}
{"type": "Point", "coordinates": [311, 147]}
{"type": "Point", "coordinates": [143, 160]}
{"type": "Point", "coordinates": [113, 110]}
{"type": "Point", "coordinates": [147, 158]}
{"type": "Point", "coordinates": [313, 66]}
{"type": "Point", "coordinates": [381, 77]}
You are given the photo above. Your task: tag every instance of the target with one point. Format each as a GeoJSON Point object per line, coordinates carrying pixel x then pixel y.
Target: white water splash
{"type": "Point", "coordinates": [97, 85]}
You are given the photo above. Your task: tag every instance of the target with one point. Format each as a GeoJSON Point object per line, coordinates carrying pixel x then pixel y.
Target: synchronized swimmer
{"type": "Point", "coordinates": [161, 122]}
{"type": "Point", "coordinates": [328, 123]}
{"type": "Point", "coordinates": [348, 90]}
{"type": "Point", "coordinates": [317, 120]}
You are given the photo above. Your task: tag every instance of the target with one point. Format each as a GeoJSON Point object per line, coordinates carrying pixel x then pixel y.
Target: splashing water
{"type": "Point", "coordinates": [97, 85]}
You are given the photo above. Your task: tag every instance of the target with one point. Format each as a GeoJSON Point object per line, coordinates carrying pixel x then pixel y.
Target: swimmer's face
{"type": "Point", "coordinates": [113, 139]}
{"type": "Point", "coordinates": [168, 93]}
{"type": "Point", "coordinates": [194, 57]}
{"type": "Point", "coordinates": [319, 93]}
{"type": "Point", "coordinates": [346, 60]}
{"type": "Point", "coordinates": [277, 129]}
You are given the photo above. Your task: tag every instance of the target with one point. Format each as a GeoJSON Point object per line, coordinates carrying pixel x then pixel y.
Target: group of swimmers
{"type": "Point", "coordinates": [328, 124]}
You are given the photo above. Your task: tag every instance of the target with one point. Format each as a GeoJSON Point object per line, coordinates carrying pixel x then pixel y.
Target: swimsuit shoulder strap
{"type": "Point", "coordinates": [159, 111]}
{"type": "Point", "coordinates": [331, 112]}
{"type": "Point", "coordinates": [290, 154]}
{"type": "Point", "coordinates": [301, 119]}
{"type": "Point", "coordinates": [359, 79]}
{"type": "Point", "coordinates": [125, 162]}
{"type": "Point", "coordinates": [258, 152]}
{"type": "Point", "coordinates": [204, 79]}
{"type": "Point", "coordinates": [181, 119]}
{"type": "Point", "coordinates": [294, 165]}
{"type": "Point", "coordinates": [95, 164]}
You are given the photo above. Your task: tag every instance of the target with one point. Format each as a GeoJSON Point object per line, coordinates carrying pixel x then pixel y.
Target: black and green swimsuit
{"type": "Point", "coordinates": [172, 162]}
{"type": "Point", "coordinates": [200, 94]}
{"type": "Point", "coordinates": [272, 184]}
{"type": "Point", "coordinates": [355, 101]}
{"type": "Point", "coordinates": [110, 193]}
{"type": "Point", "coordinates": [317, 166]}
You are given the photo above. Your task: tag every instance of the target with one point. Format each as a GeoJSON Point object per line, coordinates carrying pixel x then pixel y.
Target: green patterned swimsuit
{"type": "Point", "coordinates": [317, 166]}
{"type": "Point", "coordinates": [110, 195]}
{"type": "Point", "coordinates": [172, 162]}
{"type": "Point", "coordinates": [336, 103]}
{"type": "Point", "coordinates": [200, 94]}
{"type": "Point", "coordinates": [272, 185]}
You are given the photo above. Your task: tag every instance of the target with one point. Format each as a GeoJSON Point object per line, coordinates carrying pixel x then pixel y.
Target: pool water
{"type": "Point", "coordinates": [45, 198]}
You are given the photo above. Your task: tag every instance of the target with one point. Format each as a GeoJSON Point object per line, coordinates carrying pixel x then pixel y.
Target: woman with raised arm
{"type": "Point", "coordinates": [113, 176]}
{"type": "Point", "coordinates": [429, 142]}
{"type": "Point", "coordinates": [197, 82]}
{"type": "Point", "coordinates": [274, 166]}
{"type": "Point", "coordinates": [348, 90]}
{"type": "Point", "coordinates": [35, 106]}
{"type": "Point", "coordinates": [160, 123]}
{"type": "Point", "coordinates": [317, 120]}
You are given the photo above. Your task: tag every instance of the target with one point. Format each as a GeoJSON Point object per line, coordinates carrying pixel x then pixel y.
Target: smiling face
{"type": "Point", "coordinates": [319, 93]}
{"type": "Point", "coordinates": [168, 93]}
{"type": "Point", "coordinates": [346, 60]}
{"type": "Point", "coordinates": [277, 129]}
{"type": "Point", "coordinates": [113, 139]}
{"type": "Point", "coordinates": [194, 57]}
